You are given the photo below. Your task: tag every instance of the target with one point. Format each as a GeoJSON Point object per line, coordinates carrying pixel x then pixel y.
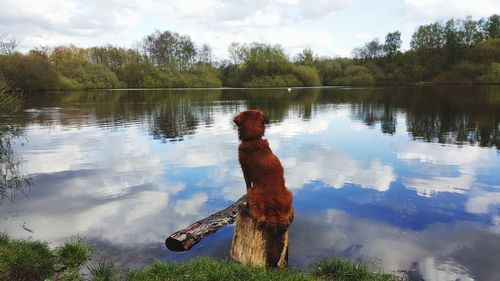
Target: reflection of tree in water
{"type": "Point", "coordinates": [371, 114]}
{"type": "Point", "coordinates": [12, 180]}
{"type": "Point", "coordinates": [435, 114]}
{"type": "Point", "coordinates": [173, 121]}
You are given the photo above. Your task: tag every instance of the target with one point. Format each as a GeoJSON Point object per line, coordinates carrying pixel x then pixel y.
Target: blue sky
{"type": "Point", "coordinates": [328, 27]}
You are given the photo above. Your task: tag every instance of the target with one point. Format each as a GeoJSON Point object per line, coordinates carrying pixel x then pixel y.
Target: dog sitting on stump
{"type": "Point", "coordinates": [269, 201]}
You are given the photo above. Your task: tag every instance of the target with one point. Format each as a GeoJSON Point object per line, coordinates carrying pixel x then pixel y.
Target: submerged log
{"type": "Point", "coordinates": [257, 246]}
{"type": "Point", "coordinates": [186, 238]}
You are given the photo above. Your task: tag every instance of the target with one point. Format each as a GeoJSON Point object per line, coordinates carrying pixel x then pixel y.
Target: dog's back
{"type": "Point", "coordinates": [269, 201]}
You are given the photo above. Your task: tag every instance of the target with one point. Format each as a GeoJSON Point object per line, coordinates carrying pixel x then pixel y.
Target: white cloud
{"type": "Point", "coordinates": [83, 18]}
{"type": "Point", "coordinates": [258, 19]}
{"type": "Point", "coordinates": [445, 9]}
{"type": "Point", "coordinates": [319, 8]}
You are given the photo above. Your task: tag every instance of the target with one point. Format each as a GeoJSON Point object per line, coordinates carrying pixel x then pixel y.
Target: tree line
{"type": "Point", "coordinates": [455, 51]}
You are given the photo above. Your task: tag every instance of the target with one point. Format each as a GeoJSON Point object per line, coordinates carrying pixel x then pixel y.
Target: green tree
{"type": "Point", "coordinates": [29, 72]}
{"type": "Point", "coordinates": [328, 70]}
{"type": "Point", "coordinates": [493, 27]}
{"type": "Point", "coordinates": [392, 43]}
{"type": "Point", "coordinates": [371, 50]}
{"type": "Point", "coordinates": [306, 57]}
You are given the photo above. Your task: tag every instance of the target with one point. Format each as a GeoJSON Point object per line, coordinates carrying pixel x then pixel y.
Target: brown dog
{"type": "Point", "coordinates": [269, 201]}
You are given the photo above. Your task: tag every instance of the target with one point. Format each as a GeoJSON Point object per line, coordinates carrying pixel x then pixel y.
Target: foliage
{"type": "Point", "coordinates": [273, 81]}
{"type": "Point", "coordinates": [104, 270]}
{"type": "Point", "coordinates": [209, 269]}
{"type": "Point", "coordinates": [356, 75]}
{"type": "Point", "coordinates": [24, 259]}
{"type": "Point", "coordinates": [342, 270]}
{"type": "Point", "coordinates": [462, 73]}
{"type": "Point", "coordinates": [328, 70]}
{"type": "Point", "coordinates": [392, 43]}
{"type": "Point", "coordinates": [10, 100]}
{"type": "Point", "coordinates": [74, 253]}
{"type": "Point", "coordinates": [169, 50]}
{"type": "Point", "coordinates": [307, 75]}
{"type": "Point", "coordinates": [29, 72]}
{"type": "Point", "coordinates": [492, 76]}
{"type": "Point", "coordinates": [454, 51]}
{"type": "Point", "coordinates": [34, 260]}
{"type": "Point", "coordinates": [370, 50]}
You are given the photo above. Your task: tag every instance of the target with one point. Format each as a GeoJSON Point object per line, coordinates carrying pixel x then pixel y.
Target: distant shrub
{"type": "Point", "coordinates": [328, 70]}
{"type": "Point", "coordinates": [273, 81]}
{"type": "Point", "coordinates": [66, 83]}
{"type": "Point", "coordinates": [202, 76]}
{"type": "Point", "coordinates": [307, 75]}
{"type": "Point", "coordinates": [492, 76]}
{"type": "Point", "coordinates": [355, 75]}
{"type": "Point", "coordinates": [10, 101]}
{"type": "Point", "coordinates": [29, 72]}
{"type": "Point", "coordinates": [462, 73]}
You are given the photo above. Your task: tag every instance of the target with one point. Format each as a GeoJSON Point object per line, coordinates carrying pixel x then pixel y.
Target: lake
{"type": "Point", "coordinates": [403, 179]}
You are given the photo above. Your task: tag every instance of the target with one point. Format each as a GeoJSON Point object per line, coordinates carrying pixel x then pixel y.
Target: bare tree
{"type": "Point", "coordinates": [7, 44]}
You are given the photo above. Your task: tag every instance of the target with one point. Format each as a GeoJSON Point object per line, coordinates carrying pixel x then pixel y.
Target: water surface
{"type": "Point", "coordinates": [398, 178]}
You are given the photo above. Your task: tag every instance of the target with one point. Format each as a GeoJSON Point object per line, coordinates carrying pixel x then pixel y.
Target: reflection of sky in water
{"type": "Point", "coordinates": [383, 199]}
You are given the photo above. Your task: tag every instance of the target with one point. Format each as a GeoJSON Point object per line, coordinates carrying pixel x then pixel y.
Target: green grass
{"type": "Point", "coordinates": [74, 253]}
{"type": "Point", "coordinates": [24, 259]}
{"type": "Point", "coordinates": [34, 260]}
{"type": "Point", "coordinates": [104, 270]}
{"type": "Point", "coordinates": [206, 269]}
{"type": "Point", "coordinates": [342, 270]}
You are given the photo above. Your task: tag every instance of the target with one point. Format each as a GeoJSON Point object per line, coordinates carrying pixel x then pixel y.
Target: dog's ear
{"type": "Point", "coordinates": [236, 120]}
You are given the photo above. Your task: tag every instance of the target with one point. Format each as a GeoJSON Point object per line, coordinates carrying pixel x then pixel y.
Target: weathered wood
{"type": "Point", "coordinates": [186, 238]}
{"type": "Point", "coordinates": [256, 246]}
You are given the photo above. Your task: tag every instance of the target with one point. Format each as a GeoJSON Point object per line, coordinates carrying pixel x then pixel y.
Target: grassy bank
{"type": "Point", "coordinates": [35, 260]}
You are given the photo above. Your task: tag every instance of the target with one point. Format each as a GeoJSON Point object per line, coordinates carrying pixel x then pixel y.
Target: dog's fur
{"type": "Point", "coordinates": [269, 201]}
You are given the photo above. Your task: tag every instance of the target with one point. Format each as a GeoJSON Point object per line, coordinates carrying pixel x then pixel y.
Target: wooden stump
{"type": "Point", "coordinates": [254, 246]}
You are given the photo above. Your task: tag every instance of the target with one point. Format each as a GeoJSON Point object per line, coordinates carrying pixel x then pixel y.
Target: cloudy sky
{"type": "Point", "coordinates": [330, 28]}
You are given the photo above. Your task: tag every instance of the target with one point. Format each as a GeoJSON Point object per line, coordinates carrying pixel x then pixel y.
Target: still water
{"type": "Point", "coordinates": [398, 178]}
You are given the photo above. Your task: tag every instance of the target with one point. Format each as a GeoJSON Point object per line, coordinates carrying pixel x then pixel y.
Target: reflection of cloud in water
{"type": "Point", "coordinates": [136, 214]}
{"type": "Point", "coordinates": [192, 205]}
{"type": "Point", "coordinates": [481, 201]}
{"type": "Point", "coordinates": [439, 252]}
{"type": "Point", "coordinates": [335, 169]}
{"type": "Point", "coordinates": [296, 126]}
{"type": "Point", "coordinates": [431, 269]}
{"type": "Point", "coordinates": [442, 168]}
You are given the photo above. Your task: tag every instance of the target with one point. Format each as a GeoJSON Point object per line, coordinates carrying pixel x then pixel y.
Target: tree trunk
{"type": "Point", "coordinates": [186, 238]}
{"type": "Point", "coordinates": [255, 246]}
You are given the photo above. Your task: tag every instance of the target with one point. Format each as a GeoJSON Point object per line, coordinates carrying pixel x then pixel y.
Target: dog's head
{"type": "Point", "coordinates": [251, 124]}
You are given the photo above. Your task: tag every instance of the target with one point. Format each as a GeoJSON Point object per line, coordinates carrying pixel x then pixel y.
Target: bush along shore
{"type": "Point", "coordinates": [458, 51]}
{"type": "Point", "coordinates": [76, 260]}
